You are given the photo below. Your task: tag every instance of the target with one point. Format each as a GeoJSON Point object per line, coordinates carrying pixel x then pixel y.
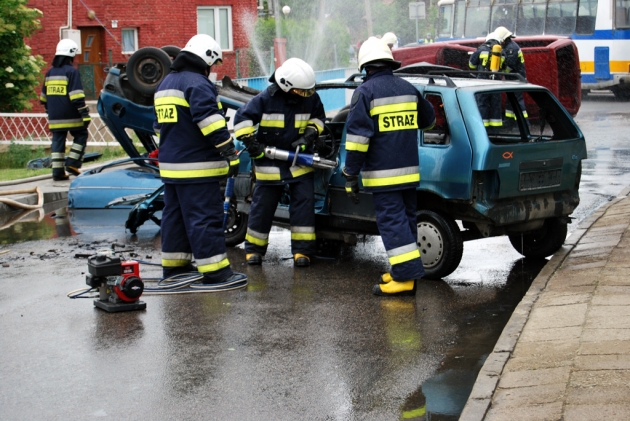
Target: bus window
{"type": "Point", "coordinates": [504, 14]}
{"type": "Point", "coordinates": [477, 18]}
{"type": "Point", "coordinates": [460, 14]}
{"type": "Point", "coordinates": [445, 24]}
{"type": "Point", "coordinates": [587, 12]}
{"type": "Point", "coordinates": [622, 14]}
{"type": "Point", "coordinates": [531, 17]}
{"type": "Point", "coordinates": [561, 17]}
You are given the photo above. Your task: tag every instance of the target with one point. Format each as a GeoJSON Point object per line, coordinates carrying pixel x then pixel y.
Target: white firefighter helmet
{"type": "Point", "coordinates": [67, 47]}
{"type": "Point", "coordinates": [502, 33]}
{"type": "Point", "coordinates": [376, 50]}
{"type": "Point", "coordinates": [390, 38]}
{"type": "Point", "coordinates": [296, 74]}
{"type": "Point", "coordinates": [493, 36]}
{"type": "Point", "coordinates": [205, 47]}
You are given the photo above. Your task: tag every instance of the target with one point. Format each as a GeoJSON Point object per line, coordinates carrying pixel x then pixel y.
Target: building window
{"type": "Point", "coordinates": [216, 22]}
{"type": "Point", "coordinates": [129, 40]}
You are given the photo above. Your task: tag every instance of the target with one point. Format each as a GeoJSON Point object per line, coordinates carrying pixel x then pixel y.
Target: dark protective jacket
{"type": "Point", "coordinates": [279, 118]}
{"type": "Point", "coordinates": [63, 96]}
{"type": "Point", "coordinates": [514, 59]}
{"type": "Point", "coordinates": [480, 59]}
{"type": "Point", "coordinates": [191, 129]}
{"type": "Point", "coordinates": [382, 132]}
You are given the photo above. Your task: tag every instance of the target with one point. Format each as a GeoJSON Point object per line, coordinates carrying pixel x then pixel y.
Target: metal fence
{"type": "Point", "coordinates": [32, 129]}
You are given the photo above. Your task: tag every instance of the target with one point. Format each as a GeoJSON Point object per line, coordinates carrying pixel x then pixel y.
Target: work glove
{"type": "Point", "coordinates": [307, 139]}
{"type": "Point", "coordinates": [352, 186]}
{"type": "Point", "coordinates": [255, 149]}
{"type": "Point", "coordinates": [228, 151]}
{"type": "Point", "coordinates": [85, 114]}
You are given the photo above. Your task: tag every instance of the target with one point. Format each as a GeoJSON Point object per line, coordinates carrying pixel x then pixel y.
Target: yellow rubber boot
{"type": "Point", "coordinates": [301, 260]}
{"type": "Point", "coordinates": [395, 289]}
{"type": "Point", "coordinates": [253, 259]}
{"type": "Point", "coordinates": [386, 278]}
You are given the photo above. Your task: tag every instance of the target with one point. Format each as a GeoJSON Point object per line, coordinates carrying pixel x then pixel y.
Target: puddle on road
{"type": "Point", "coordinates": [443, 396]}
{"type": "Point", "coordinates": [54, 220]}
{"type": "Point", "coordinates": [50, 221]}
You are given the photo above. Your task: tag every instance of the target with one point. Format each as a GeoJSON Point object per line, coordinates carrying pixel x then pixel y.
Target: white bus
{"type": "Point", "coordinates": [599, 28]}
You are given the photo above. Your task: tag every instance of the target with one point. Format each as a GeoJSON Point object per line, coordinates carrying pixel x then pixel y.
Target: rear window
{"type": "Point", "coordinates": [524, 117]}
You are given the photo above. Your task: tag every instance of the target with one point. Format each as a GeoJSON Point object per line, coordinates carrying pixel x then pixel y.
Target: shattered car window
{"type": "Point", "coordinates": [524, 116]}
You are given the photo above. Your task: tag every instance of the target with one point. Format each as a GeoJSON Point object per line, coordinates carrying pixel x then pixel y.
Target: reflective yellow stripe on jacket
{"type": "Point", "coordinates": [244, 128]}
{"type": "Point", "coordinates": [272, 120]}
{"type": "Point", "coordinates": [380, 178]}
{"type": "Point", "coordinates": [194, 169]}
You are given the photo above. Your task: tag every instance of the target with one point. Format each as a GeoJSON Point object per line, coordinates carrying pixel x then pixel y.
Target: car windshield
{"type": "Point", "coordinates": [524, 116]}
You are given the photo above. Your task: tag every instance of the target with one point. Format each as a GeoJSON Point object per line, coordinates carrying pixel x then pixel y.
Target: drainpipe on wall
{"type": "Point", "coordinates": [69, 25]}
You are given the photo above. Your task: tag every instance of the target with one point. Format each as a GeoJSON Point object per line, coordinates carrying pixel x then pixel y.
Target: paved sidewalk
{"type": "Point", "coordinates": [565, 353]}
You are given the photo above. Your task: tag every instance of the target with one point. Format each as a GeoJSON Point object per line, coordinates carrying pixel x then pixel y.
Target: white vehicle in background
{"type": "Point", "coordinates": [599, 28]}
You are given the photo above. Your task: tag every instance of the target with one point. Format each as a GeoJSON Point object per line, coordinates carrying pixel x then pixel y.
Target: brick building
{"type": "Point", "coordinates": [109, 31]}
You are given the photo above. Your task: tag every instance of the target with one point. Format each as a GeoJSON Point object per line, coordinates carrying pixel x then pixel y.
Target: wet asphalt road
{"type": "Point", "coordinates": [296, 344]}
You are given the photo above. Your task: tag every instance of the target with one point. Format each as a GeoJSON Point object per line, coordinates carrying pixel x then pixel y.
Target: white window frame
{"type": "Point", "coordinates": [135, 39]}
{"type": "Point", "coordinates": [217, 25]}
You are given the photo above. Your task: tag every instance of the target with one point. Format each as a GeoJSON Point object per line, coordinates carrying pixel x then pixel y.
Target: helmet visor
{"type": "Point", "coordinates": [303, 92]}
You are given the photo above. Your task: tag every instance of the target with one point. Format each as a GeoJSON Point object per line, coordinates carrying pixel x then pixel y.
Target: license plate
{"type": "Point", "coordinates": [540, 179]}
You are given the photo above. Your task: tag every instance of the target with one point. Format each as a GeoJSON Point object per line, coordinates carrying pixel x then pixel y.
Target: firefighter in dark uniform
{"type": "Point", "coordinates": [514, 62]}
{"type": "Point", "coordinates": [382, 144]}
{"type": "Point", "coordinates": [64, 100]}
{"type": "Point", "coordinates": [196, 152]}
{"type": "Point", "coordinates": [489, 104]}
{"type": "Point", "coordinates": [287, 115]}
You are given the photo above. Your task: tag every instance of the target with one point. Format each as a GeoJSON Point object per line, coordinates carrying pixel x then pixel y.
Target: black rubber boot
{"type": "Point", "coordinates": [253, 259]}
{"type": "Point", "coordinates": [178, 270]}
{"type": "Point", "coordinates": [235, 278]}
{"type": "Point", "coordinates": [301, 260]}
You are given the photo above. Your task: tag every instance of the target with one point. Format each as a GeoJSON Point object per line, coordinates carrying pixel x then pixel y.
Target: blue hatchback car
{"type": "Point", "coordinates": [519, 178]}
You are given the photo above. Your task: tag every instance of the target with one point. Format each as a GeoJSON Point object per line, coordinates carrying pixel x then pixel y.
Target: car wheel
{"type": "Point", "coordinates": [236, 227]}
{"type": "Point", "coordinates": [543, 242]}
{"type": "Point", "coordinates": [146, 68]}
{"type": "Point", "coordinates": [171, 50]}
{"type": "Point", "coordinates": [440, 242]}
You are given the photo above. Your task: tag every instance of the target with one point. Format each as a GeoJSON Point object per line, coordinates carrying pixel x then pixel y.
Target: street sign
{"type": "Point", "coordinates": [417, 10]}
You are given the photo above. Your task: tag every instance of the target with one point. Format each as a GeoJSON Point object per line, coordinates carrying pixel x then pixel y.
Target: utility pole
{"type": "Point", "coordinates": [368, 17]}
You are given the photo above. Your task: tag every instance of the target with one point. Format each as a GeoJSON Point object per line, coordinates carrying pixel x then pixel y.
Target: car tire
{"type": "Point", "coordinates": [171, 50]}
{"type": "Point", "coordinates": [146, 68]}
{"type": "Point", "coordinates": [543, 242]}
{"type": "Point", "coordinates": [236, 227]}
{"type": "Point", "coordinates": [440, 242]}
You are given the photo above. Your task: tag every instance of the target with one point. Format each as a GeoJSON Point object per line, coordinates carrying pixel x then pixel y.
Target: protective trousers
{"type": "Point", "coordinates": [58, 149]}
{"type": "Point", "coordinates": [301, 215]}
{"type": "Point", "coordinates": [396, 221]}
{"type": "Point", "coordinates": [192, 225]}
{"type": "Point", "coordinates": [490, 109]}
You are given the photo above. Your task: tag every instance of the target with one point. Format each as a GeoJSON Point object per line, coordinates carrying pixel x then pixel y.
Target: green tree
{"type": "Point", "coordinates": [20, 71]}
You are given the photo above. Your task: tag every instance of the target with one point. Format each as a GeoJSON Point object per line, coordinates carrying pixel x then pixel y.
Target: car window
{"type": "Point", "coordinates": [524, 116]}
{"type": "Point", "coordinates": [438, 135]}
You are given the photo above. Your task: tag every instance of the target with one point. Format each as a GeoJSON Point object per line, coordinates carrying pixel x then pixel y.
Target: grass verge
{"type": "Point", "coordinates": [13, 161]}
